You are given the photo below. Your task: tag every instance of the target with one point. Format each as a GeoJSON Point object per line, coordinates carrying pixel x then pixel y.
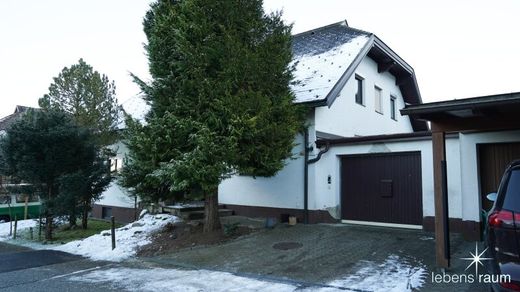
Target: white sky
{"type": "Point", "coordinates": [458, 49]}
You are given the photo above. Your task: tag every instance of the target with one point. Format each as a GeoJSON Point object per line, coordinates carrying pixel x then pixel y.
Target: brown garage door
{"type": "Point", "coordinates": [493, 160]}
{"type": "Point", "coordinates": [382, 188]}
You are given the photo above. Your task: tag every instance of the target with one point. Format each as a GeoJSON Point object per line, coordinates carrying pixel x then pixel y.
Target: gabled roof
{"type": "Point", "coordinates": [321, 56]}
{"type": "Point", "coordinates": [7, 121]}
{"type": "Point", "coordinates": [325, 58]}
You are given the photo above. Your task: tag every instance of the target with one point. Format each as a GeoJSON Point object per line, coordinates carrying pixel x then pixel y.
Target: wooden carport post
{"type": "Point", "coordinates": [442, 236]}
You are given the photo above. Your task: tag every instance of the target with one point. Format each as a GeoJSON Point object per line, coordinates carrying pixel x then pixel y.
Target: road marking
{"type": "Point", "coordinates": [78, 272]}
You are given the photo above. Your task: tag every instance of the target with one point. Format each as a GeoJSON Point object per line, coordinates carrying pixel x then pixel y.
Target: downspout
{"type": "Point", "coordinates": [308, 161]}
{"type": "Point", "coordinates": [306, 177]}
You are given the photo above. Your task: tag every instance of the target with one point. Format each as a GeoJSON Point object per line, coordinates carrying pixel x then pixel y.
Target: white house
{"type": "Point", "coordinates": [376, 166]}
{"type": "Point", "coordinates": [116, 200]}
{"type": "Point", "coordinates": [354, 85]}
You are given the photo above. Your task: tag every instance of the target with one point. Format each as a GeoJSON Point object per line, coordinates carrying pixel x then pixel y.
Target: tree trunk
{"type": "Point", "coordinates": [48, 215]}
{"type": "Point", "coordinates": [72, 221]}
{"type": "Point", "coordinates": [84, 217]}
{"type": "Point", "coordinates": [48, 227]}
{"type": "Point", "coordinates": [211, 218]}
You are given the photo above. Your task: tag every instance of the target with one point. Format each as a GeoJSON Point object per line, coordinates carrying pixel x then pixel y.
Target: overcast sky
{"type": "Point", "coordinates": [458, 49]}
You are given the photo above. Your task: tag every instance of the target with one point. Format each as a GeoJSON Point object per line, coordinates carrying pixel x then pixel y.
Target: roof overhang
{"type": "Point", "coordinates": [414, 136]}
{"type": "Point", "coordinates": [497, 112]}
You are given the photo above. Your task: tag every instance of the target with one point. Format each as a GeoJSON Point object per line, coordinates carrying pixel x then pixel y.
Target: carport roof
{"type": "Point", "coordinates": [490, 106]}
{"type": "Point", "coordinates": [485, 113]}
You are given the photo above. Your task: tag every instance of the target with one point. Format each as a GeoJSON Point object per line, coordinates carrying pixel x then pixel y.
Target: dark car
{"type": "Point", "coordinates": [503, 230]}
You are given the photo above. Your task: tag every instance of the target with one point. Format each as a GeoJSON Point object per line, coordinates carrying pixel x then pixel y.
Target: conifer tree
{"type": "Point", "coordinates": [43, 147]}
{"type": "Point", "coordinates": [89, 97]}
{"type": "Point", "coordinates": [219, 95]}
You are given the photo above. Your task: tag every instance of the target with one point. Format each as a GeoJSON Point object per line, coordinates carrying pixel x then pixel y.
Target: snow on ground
{"type": "Point", "coordinates": [159, 279]}
{"type": "Point", "coordinates": [392, 275]}
{"type": "Point", "coordinates": [21, 225]}
{"type": "Point", "coordinates": [128, 239]}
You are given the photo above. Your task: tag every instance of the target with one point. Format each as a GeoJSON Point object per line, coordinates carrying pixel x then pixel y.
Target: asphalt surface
{"type": "Point", "coordinates": [23, 269]}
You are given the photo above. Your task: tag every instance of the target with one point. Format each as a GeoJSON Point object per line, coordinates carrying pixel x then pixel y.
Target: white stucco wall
{"type": "Point", "coordinates": [347, 118]}
{"type": "Point", "coordinates": [116, 195]}
{"type": "Point", "coordinates": [285, 190]}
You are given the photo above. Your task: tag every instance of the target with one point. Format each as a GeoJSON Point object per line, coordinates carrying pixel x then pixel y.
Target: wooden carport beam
{"type": "Point", "coordinates": [442, 248]}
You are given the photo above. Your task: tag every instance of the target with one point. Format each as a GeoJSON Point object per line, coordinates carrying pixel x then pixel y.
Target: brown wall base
{"type": "Point", "coordinates": [315, 216]}
{"type": "Point", "coordinates": [470, 230]}
{"type": "Point", "coordinates": [121, 215]}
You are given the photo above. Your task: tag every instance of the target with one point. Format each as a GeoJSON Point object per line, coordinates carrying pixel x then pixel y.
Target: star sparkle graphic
{"type": "Point", "coordinates": [476, 259]}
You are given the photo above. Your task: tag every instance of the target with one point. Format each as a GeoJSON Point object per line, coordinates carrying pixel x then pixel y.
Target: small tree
{"type": "Point", "coordinates": [42, 147]}
{"type": "Point", "coordinates": [220, 98]}
{"type": "Point", "coordinates": [79, 189]}
{"type": "Point", "coordinates": [90, 99]}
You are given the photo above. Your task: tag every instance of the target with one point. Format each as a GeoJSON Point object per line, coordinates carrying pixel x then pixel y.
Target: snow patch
{"type": "Point", "coordinates": [158, 279]}
{"type": "Point", "coordinates": [21, 225]}
{"type": "Point", "coordinates": [392, 275]}
{"type": "Point", "coordinates": [128, 239]}
{"type": "Point", "coordinates": [188, 205]}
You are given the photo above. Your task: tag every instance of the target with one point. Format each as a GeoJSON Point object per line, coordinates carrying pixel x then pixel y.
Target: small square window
{"type": "Point", "coordinates": [359, 92]}
{"type": "Point", "coordinates": [393, 108]}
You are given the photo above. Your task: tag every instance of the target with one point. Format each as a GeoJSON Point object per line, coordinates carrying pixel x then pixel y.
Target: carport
{"type": "Point", "coordinates": [479, 114]}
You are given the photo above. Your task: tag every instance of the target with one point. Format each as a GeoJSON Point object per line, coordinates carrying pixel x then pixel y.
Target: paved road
{"type": "Point", "coordinates": [23, 269]}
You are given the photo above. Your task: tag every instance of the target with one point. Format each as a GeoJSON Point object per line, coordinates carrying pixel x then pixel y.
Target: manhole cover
{"type": "Point", "coordinates": [287, 245]}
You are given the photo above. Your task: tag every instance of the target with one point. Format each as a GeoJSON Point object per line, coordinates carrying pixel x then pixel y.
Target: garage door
{"type": "Point", "coordinates": [493, 160]}
{"type": "Point", "coordinates": [382, 188]}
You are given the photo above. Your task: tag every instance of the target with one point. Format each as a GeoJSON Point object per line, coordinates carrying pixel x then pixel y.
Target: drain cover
{"type": "Point", "coordinates": [287, 245]}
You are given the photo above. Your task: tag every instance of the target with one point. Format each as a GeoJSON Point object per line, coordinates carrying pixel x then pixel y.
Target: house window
{"type": "Point", "coordinates": [106, 212]}
{"type": "Point", "coordinates": [116, 164]}
{"type": "Point", "coordinates": [20, 198]}
{"type": "Point", "coordinates": [392, 108]}
{"type": "Point", "coordinates": [377, 102]}
{"type": "Point", "coordinates": [359, 93]}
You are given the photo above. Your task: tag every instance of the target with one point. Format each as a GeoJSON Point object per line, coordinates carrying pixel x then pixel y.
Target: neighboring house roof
{"type": "Point", "coordinates": [7, 121]}
{"type": "Point", "coordinates": [136, 107]}
{"type": "Point", "coordinates": [325, 58]}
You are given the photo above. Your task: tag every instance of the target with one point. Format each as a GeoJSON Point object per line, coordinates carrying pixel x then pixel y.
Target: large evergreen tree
{"type": "Point", "coordinates": [41, 148]}
{"type": "Point", "coordinates": [220, 98]}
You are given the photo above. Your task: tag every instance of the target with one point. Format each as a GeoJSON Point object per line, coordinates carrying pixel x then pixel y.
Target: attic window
{"type": "Point", "coordinates": [392, 108]}
{"type": "Point", "coordinates": [377, 99]}
{"type": "Point", "coordinates": [359, 92]}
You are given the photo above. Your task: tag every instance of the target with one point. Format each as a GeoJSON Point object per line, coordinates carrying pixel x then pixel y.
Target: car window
{"type": "Point", "coordinates": [512, 192]}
